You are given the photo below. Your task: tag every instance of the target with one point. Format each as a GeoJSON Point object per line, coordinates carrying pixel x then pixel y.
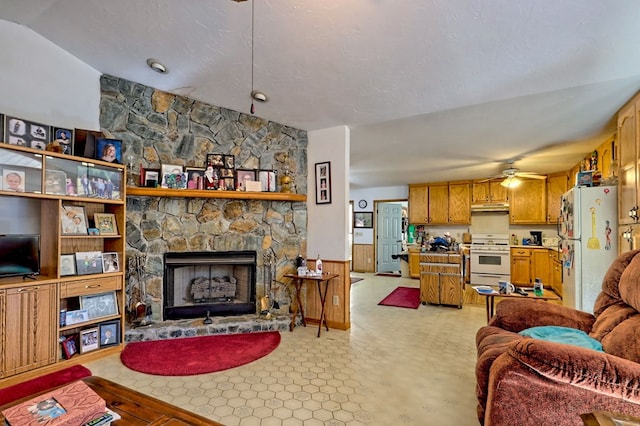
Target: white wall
{"type": "Point", "coordinates": [43, 83]}
{"type": "Point", "coordinates": [328, 226]}
{"type": "Point", "coordinates": [365, 235]}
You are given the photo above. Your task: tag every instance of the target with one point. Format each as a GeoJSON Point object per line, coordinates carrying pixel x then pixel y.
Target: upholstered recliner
{"type": "Point", "coordinates": [525, 381]}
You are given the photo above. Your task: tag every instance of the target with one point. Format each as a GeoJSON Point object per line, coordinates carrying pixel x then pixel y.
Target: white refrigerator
{"type": "Point", "coordinates": [588, 240]}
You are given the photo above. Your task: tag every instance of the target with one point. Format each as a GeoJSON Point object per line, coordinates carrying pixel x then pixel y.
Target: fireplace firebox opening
{"type": "Point", "coordinates": [220, 283]}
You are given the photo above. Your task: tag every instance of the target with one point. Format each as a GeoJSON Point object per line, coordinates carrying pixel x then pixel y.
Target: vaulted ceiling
{"type": "Point", "coordinates": [431, 90]}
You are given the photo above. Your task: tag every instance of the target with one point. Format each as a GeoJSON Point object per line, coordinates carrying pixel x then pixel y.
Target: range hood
{"type": "Point", "coordinates": [490, 207]}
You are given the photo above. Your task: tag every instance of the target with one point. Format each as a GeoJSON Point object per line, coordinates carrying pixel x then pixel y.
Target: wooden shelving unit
{"type": "Point", "coordinates": [134, 191]}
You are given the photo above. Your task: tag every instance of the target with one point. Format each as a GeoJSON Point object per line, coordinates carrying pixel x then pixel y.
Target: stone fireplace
{"type": "Point", "coordinates": [218, 282]}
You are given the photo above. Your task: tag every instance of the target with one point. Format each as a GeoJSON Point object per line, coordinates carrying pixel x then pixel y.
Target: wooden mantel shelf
{"type": "Point", "coordinates": [135, 191]}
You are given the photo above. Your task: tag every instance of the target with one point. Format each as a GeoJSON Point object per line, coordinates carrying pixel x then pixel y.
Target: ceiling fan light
{"type": "Point", "coordinates": [511, 182]}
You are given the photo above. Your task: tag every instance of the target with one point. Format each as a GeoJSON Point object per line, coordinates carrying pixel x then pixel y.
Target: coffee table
{"type": "Point", "coordinates": [490, 298]}
{"type": "Point", "coordinates": [134, 407]}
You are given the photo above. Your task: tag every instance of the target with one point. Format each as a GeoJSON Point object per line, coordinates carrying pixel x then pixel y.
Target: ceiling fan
{"type": "Point", "coordinates": [512, 176]}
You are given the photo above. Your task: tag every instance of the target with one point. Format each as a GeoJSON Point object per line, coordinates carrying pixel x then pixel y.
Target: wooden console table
{"type": "Point", "coordinates": [134, 407]}
{"type": "Point", "coordinates": [298, 281]}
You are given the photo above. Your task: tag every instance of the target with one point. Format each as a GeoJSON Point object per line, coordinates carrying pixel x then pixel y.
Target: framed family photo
{"type": "Point", "coordinates": [67, 265]}
{"type": "Point", "coordinates": [73, 220]}
{"type": "Point", "coordinates": [109, 150]}
{"type": "Point", "coordinates": [323, 183]}
{"type": "Point", "coordinates": [106, 223]}
{"type": "Point", "coordinates": [89, 340]}
{"type": "Point", "coordinates": [69, 346]}
{"type": "Point", "coordinates": [76, 317]}
{"type": "Point", "coordinates": [110, 262]}
{"type": "Point", "coordinates": [89, 262]}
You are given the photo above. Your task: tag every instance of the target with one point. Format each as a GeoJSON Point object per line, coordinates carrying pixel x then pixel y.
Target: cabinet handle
{"type": "Point", "coordinates": [24, 290]}
{"type": "Point", "coordinates": [93, 286]}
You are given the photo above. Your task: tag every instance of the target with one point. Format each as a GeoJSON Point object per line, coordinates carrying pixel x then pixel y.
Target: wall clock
{"type": "Point", "coordinates": [362, 204]}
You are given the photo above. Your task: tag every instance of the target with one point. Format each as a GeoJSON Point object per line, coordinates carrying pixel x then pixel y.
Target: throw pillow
{"type": "Point", "coordinates": [569, 336]}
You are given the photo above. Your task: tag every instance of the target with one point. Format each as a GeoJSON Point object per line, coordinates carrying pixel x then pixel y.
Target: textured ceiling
{"type": "Point", "coordinates": [431, 90]}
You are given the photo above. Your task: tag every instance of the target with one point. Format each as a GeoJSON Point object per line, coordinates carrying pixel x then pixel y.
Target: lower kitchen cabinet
{"type": "Point", "coordinates": [441, 280]}
{"type": "Point", "coordinates": [414, 262]}
{"type": "Point", "coordinates": [521, 267]}
{"type": "Point", "coordinates": [527, 264]}
{"type": "Point", "coordinates": [29, 324]}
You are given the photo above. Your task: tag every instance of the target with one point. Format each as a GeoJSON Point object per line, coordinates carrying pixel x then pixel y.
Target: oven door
{"type": "Point", "coordinates": [494, 262]}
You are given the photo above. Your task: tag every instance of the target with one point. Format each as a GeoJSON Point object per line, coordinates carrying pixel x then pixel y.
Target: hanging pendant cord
{"type": "Point", "coordinates": [252, 32]}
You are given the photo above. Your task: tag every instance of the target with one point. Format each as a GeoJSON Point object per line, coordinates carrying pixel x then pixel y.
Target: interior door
{"type": "Point", "coordinates": [389, 236]}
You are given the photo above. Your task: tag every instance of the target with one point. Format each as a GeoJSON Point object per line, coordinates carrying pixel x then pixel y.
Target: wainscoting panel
{"type": "Point", "coordinates": [363, 258]}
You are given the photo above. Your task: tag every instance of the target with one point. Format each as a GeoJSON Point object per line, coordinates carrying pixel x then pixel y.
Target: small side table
{"type": "Point", "coordinates": [490, 299]}
{"type": "Point", "coordinates": [298, 281]}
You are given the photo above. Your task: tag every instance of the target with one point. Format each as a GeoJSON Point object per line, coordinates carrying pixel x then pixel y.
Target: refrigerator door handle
{"type": "Point", "coordinates": [558, 225]}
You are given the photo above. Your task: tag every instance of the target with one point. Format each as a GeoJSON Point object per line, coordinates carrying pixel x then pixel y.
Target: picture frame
{"type": "Point", "coordinates": [109, 150]}
{"type": "Point", "coordinates": [229, 161]}
{"type": "Point", "coordinates": [215, 160]}
{"type": "Point", "coordinates": [110, 262]}
{"type": "Point", "coordinates": [323, 182]}
{"type": "Point", "coordinates": [109, 333]}
{"type": "Point", "coordinates": [151, 178]}
{"type": "Point", "coordinates": [89, 262]}
{"type": "Point", "coordinates": [267, 180]}
{"type": "Point", "coordinates": [55, 182]}
{"type": "Point", "coordinates": [195, 177]}
{"type": "Point", "coordinates": [69, 346]}
{"type": "Point", "coordinates": [21, 132]}
{"type": "Point", "coordinates": [173, 176]}
{"type": "Point", "coordinates": [93, 231]}
{"type": "Point", "coordinates": [65, 138]}
{"type": "Point", "coordinates": [67, 265]}
{"type": "Point", "coordinates": [89, 340]}
{"type": "Point", "coordinates": [76, 317]}
{"type": "Point", "coordinates": [106, 223]}
{"type": "Point", "coordinates": [84, 142]}
{"type": "Point", "coordinates": [100, 305]}
{"type": "Point", "coordinates": [363, 219]}
{"type": "Point", "coordinates": [73, 220]}
{"type": "Point", "coordinates": [13, 180]}
{"type": "Point", "coordinates": [244, 175]}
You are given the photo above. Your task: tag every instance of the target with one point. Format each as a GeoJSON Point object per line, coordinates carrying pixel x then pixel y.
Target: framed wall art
{"type": "Point", "coordinates": [18, 131]}
{"type": "Point", "coordinates": [106, 223]}
{"type": "Point", "coordinates": [323, 183]}
{"type": "Point", "coordinates": [363, 219]}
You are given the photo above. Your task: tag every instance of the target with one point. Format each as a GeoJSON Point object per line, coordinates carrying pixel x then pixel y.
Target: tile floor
{"type": "Point", "coordinates": [395, 366]}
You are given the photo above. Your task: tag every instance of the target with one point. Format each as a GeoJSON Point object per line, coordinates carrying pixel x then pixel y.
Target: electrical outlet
{"type": "Point", "coordinates": [336, 300]}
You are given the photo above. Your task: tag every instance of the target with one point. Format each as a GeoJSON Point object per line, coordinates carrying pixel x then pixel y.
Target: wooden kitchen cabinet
{"type": "Point", "coordinates": [628, 155]}
{"type": "Point", "coordinates": [414, 262]}
{"type": "Point", "coordinates": [418, 204]}
{"type": "Point", "coordinates": [460, 202]}
{"type": "Point", "coordinates": [29, 323]}
{"type": "Point", "coordinates": [528, 202]}
{"type": "Point", "coordinates": [555, 262]}
{"type": "Point", "coordinates": [438, 204]}
{"type": "Point", "coordinates": [489, 191]}
{"type": "Point", "coordinates": [540, 267]}
{"type": "Point", "coordinates": [521, 267]}
{"type": "Point", "coordinates": [441, 281]}
{"type": "Point", "coordinates": [557, 184]}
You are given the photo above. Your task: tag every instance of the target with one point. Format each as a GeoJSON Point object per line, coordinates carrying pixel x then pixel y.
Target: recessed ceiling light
{"type": "Point", "coordinates": [155, 65]}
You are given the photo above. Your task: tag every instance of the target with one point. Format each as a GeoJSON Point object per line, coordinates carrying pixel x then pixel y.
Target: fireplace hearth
{"type": "Point", "coordinates": [217, 283]}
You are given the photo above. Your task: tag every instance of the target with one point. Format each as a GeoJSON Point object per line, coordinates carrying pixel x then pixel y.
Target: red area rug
{"type": "Point", "coordinates": [403, 297]}
{"type": "Point", "coordinates": [45, 382]}
{"type": "Point", "coordinates": [198, 355]}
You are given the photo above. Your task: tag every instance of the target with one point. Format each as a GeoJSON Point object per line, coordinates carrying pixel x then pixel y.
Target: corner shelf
{"type": "Point", "coordinates": [135, 191]}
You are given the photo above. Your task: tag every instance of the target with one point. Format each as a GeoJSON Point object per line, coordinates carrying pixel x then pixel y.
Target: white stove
{"type": "Point", "coordinates": [490, 259]}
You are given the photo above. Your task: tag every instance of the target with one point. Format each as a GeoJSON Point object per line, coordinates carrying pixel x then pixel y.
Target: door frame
{"type": "Point", "coordinates": [375, 222]}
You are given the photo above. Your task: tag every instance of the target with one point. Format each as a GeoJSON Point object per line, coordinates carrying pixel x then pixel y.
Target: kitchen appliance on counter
{"type": "Point", "coordinates": [588, 242]}
{"type": "Point", "coordinates": [490, 259]}
{"type": "Point", "coordinates": [536, 238]}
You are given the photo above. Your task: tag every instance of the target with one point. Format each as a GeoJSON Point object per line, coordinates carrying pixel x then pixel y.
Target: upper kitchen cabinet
{"type": "Point", "coordinates": [557, 184]}
{"type": "Point", "coordinates": [489, 191]}
{"type": "Point", "coordinates": [440, 203]}
{"type": "Point", "coordinates": [528, 202]}
{"type": "Point", "coordinates": [628, 162]}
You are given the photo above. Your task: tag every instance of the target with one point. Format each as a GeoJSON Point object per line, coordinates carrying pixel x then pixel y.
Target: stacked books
{"type": "Point", "coordinates": [71, 405]}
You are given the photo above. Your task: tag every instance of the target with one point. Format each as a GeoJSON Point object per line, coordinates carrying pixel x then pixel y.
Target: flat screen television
{"type": "Point", "coordinates": [19, 255]}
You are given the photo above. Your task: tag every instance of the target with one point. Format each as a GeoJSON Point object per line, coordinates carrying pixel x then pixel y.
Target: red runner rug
{"type": "Point", "coordinates": [45, 382]}
{"type": "Point", "coordinates": [403, 297]}
{"type": "Point", "coordinates": [198, 355]}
